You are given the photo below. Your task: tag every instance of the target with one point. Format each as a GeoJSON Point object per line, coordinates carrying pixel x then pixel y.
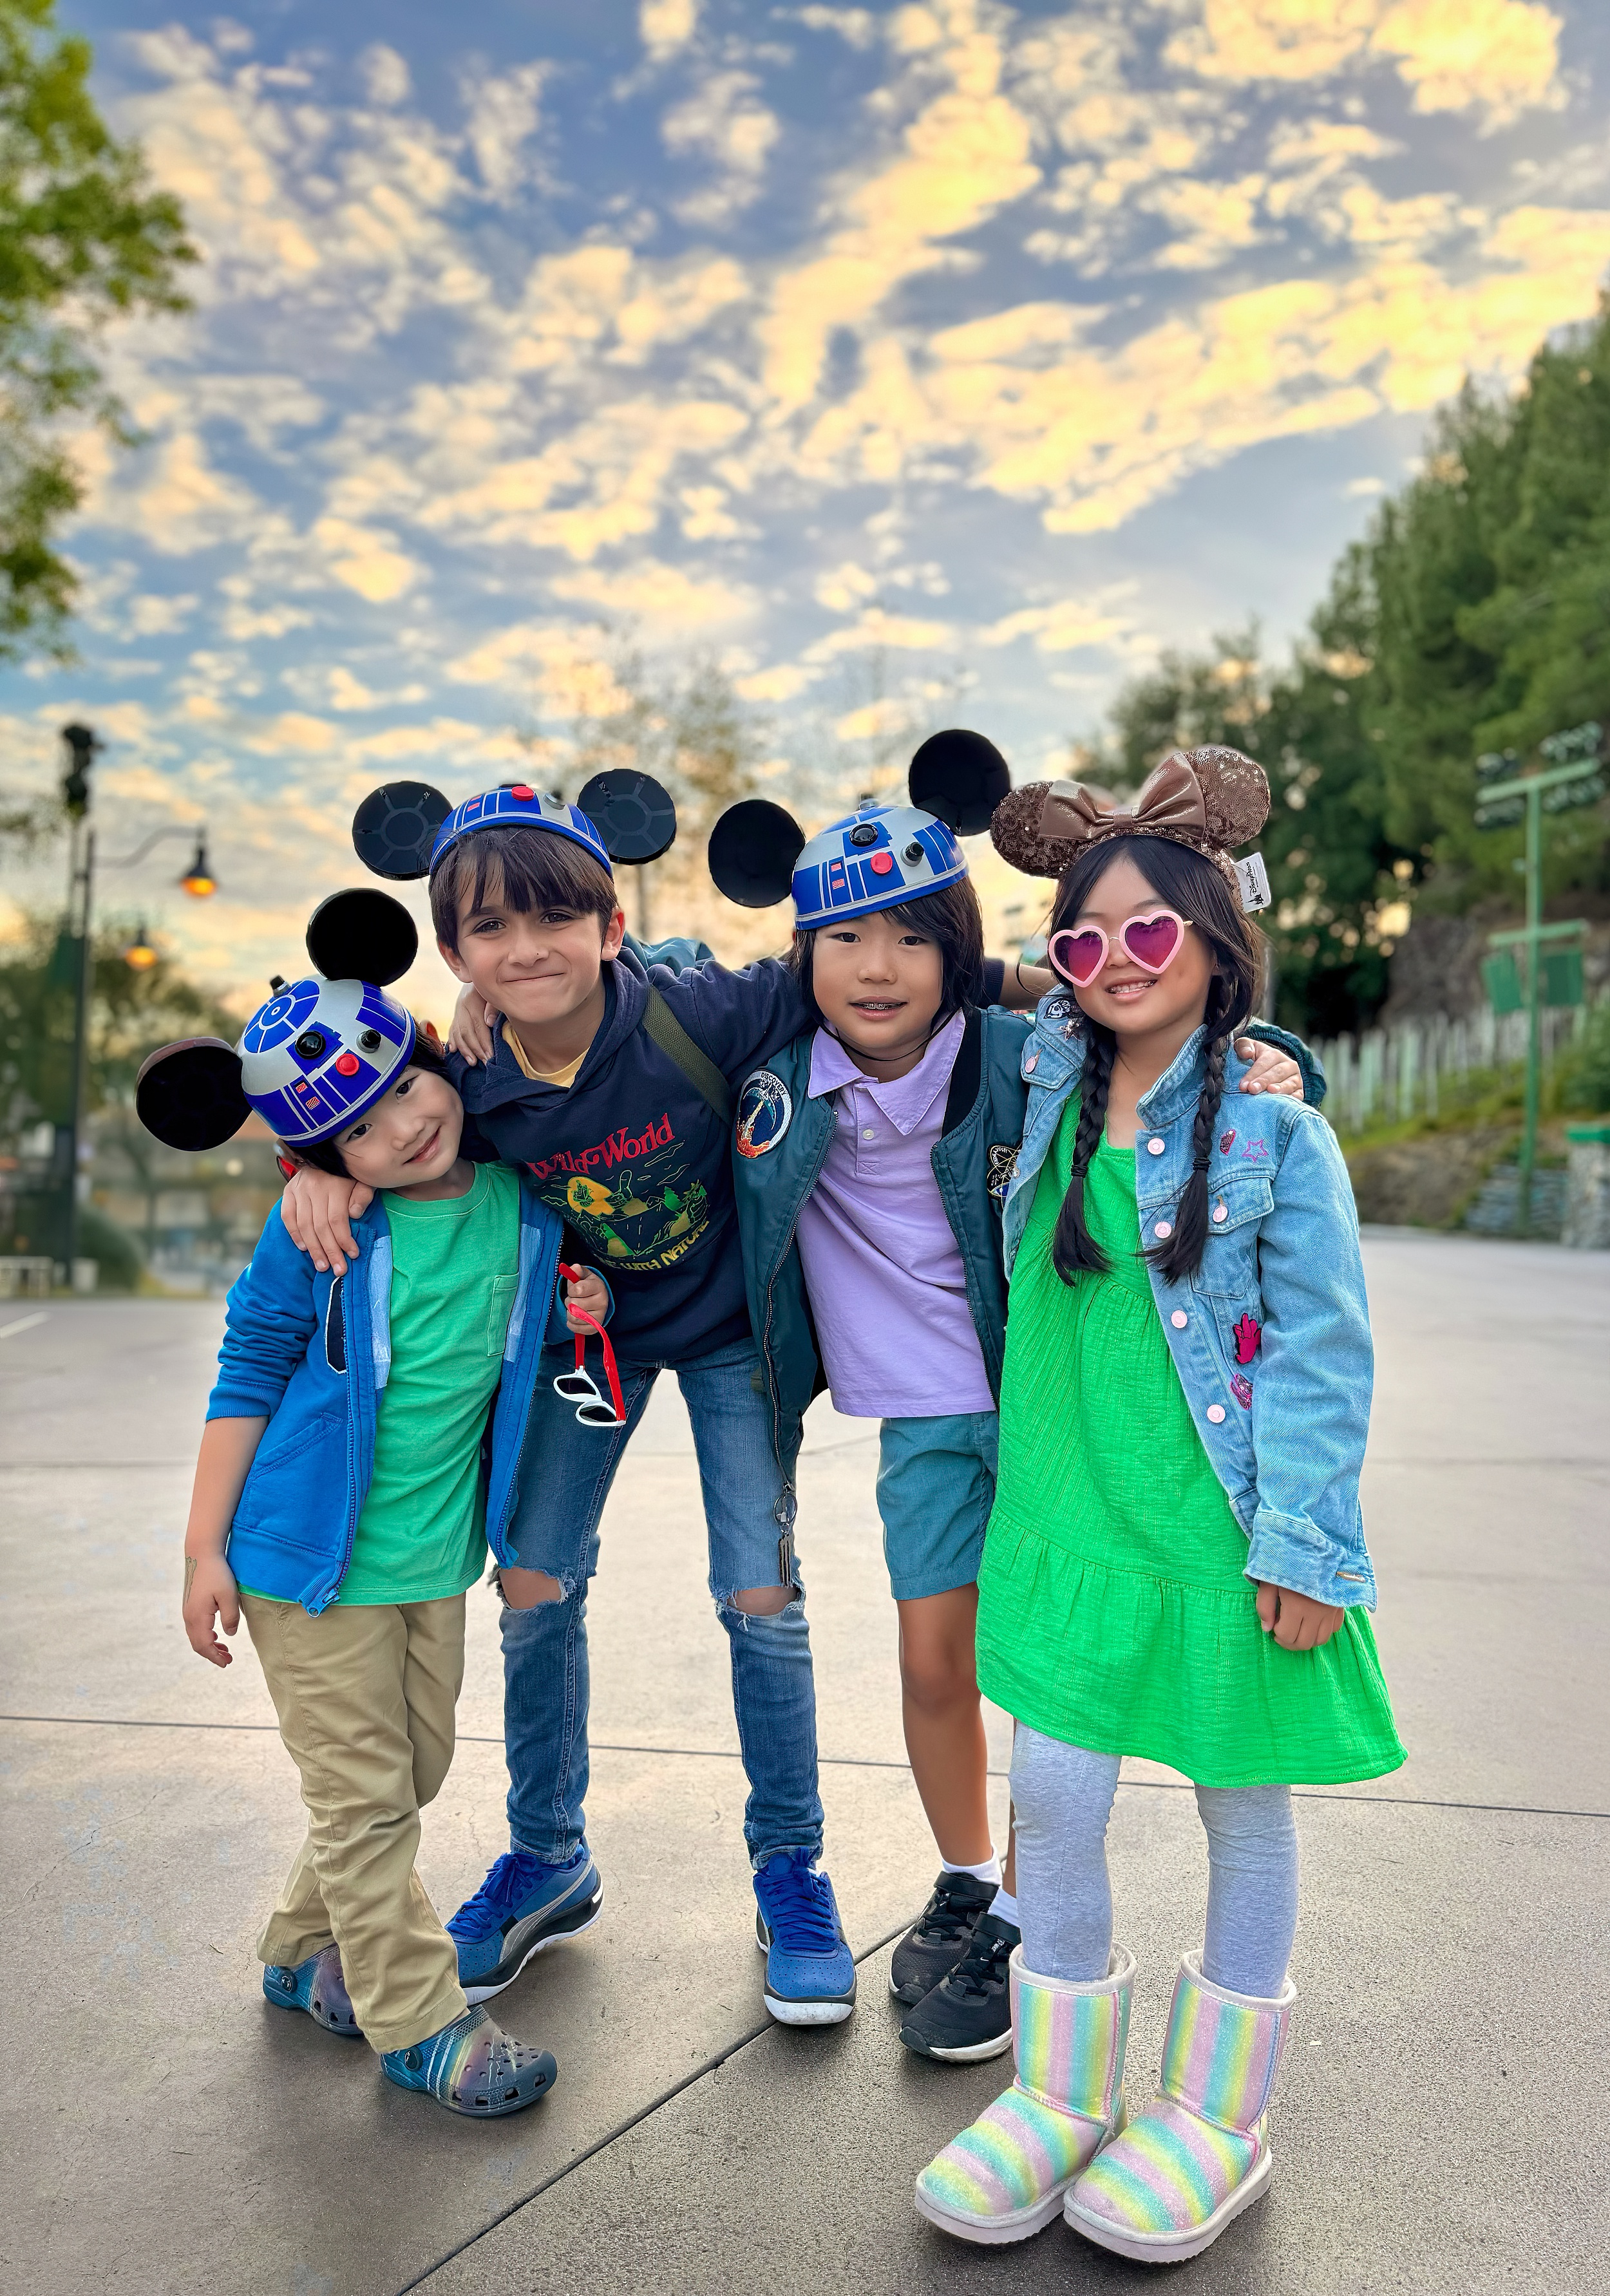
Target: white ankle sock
{"type": "Point", "coordinates": [1004, 1906]}
{"type": "Point", "coordinates": [990, 1871]}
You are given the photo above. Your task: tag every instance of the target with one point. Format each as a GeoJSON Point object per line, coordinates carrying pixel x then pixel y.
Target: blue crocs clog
{"type": "Point", "coordinates": [473, 2067]}
{"type": "Point", "coordinates": [317, 1986]}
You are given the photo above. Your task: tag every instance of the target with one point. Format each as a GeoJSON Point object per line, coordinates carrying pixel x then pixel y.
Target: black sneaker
{"type": "Point", "coordinates": [938, 1938]}
{"type": "Point", "coordinates": [968, 2014]}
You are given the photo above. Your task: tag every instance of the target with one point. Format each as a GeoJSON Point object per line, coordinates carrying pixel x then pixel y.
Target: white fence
{"type": "Point", "coordinates": [1387, 1075]}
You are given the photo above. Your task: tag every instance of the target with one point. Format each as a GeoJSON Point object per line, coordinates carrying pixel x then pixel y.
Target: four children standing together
{"type": "Point", "coordinates": [837, 1168]}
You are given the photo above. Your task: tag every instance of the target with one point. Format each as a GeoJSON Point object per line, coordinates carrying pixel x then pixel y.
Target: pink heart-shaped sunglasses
{"type": "Point", "coordinates": [1077, 954]}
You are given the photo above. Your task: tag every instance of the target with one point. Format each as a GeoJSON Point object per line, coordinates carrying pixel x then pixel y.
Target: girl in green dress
{"type": "Point", "coordinates": [1175, 1566]}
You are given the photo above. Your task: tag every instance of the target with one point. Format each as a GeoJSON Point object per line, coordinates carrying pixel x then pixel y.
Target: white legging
{"type": "Point", "coordinates": [1063, 1797]}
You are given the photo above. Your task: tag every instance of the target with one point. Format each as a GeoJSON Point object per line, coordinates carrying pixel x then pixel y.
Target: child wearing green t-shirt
{"type": "Point", "coordinates": [339, 1504]}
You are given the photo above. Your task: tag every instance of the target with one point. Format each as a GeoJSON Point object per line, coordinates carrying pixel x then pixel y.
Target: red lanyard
{"type": "Point", "coordinates": [579, 1386]}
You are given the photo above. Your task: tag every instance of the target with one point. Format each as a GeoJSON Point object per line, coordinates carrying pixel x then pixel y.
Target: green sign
{"type": "Point", "coordinates": [1562, 977]}
{"type": "Point", "coordinates": [1501, 979]}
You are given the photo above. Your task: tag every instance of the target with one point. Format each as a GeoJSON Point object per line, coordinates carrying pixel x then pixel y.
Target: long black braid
{"type": "Point", "coordinates": [1180, 1253]}
{"type": "Point", "coordinates": [1073, 1246]}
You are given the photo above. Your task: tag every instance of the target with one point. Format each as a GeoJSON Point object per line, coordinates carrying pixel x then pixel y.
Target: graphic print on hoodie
{"type": "Point", "coordinates": [647, 1207]}
{"type": "Point", "coordinates": [632, 1156]}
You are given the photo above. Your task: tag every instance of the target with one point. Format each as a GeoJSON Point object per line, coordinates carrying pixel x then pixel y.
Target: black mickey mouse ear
{"type": "Point", "coordinates": [362, 935]}
{"type": "Point", "coordinates": [752, 850]}
{"type": "Point", "coordinates": [636, 818]}
{"type": "Point", "coordinates": [394, 827]}
{"type": "Point", "coordinates": [960, 778]}
{"type": "Point", "coordinates": [189, 1096]}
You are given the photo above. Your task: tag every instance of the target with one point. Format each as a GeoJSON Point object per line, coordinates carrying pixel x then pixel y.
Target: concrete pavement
{"type": "Point", "coordinates": [1441, 2123]}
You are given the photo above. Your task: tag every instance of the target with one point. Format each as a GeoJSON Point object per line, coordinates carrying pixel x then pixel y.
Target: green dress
{"type": "Point", "coordinates": [1115, 1612]}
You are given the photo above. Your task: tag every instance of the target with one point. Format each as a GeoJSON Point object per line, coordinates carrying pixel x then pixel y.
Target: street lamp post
{"type": "Point", "coordinates": [1503, 797]}
{"type": "Point", "coordinates": [83, 746]}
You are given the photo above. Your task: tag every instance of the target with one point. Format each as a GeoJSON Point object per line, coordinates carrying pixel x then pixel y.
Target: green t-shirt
{"type": "Point", "coordinates": [455, 1266]}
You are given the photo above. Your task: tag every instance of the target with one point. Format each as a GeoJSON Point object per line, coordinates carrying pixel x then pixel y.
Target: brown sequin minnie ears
{"type": "Point", "coordinates": [1212, 799]}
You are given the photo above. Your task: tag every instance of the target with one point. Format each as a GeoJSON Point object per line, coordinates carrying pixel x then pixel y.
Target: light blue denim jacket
{"type": "Point", "coordinates": [1270, 1336]}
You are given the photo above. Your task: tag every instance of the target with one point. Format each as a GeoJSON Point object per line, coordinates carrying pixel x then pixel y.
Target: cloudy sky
{"type": "Point", "coordinates": [891, 353]}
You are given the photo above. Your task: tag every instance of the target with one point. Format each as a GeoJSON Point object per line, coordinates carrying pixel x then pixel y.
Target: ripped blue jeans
{"type": "Point", "coordinates": [565, 1475]}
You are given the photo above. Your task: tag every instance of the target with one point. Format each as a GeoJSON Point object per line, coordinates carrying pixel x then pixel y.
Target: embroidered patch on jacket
{"type": "Point", "coordinates": [1226, 1140]}
{"type": "Point", "coordinates": [1256, 1152]}
{"type": "Point", "coordinates": [1241, 1388]}
{"type": "Point", "coordinates": [1001, 1169]}
{"type": "Point", "coordinates": [1248, 1332]}
{"type": "Point", "coordinates": [764, 1112]}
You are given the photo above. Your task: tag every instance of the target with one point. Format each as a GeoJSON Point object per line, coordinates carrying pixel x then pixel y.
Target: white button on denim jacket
{"type": "Point", "coordinates": [1276, 1359]}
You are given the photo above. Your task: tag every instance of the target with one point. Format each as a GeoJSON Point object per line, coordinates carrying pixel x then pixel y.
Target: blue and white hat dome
{"type": "Point", "coordinates": [321, 1051]}
{"type": "Point", "coordinates": [519, 807]}
{"type": "Point", "coordinates": [873, 860]}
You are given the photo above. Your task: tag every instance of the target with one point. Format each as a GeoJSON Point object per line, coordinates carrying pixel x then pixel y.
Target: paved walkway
{"type": "Point", "coordinates": [1441, 2122]}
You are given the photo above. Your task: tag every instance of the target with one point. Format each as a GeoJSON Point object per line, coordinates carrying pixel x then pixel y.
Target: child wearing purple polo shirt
{"type": "Point", "coordinates": [872, 1158]}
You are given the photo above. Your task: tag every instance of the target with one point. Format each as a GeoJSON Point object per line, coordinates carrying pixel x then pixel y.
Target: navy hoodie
{"type": "Point", "coordinates": [635, 1161]}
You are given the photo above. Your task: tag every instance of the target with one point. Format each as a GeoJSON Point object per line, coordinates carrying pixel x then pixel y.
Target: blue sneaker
{"type": "Point", "coordinates": [317, 1986]}
{"type": "Point", "coordinates": [809, 1973]}
{"type": "Point", "coordinates": [473, 2067]}
{"type": "Point", "coordinates": [522, 1907]}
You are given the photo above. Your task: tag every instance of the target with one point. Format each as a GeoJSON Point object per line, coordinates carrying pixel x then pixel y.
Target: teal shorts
{"type": "Point", "coordinates": [936, 1485]}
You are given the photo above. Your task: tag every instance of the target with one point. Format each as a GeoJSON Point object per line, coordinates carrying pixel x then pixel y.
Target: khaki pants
{"type": "Point", "coordinates": [366, 1699]}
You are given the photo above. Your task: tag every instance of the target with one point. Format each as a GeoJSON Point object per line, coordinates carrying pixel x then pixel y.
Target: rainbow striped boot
{"type": "Point", "coordinates": [1199, 2153]}
{"type": "Point", "coordinates": [1004, 2178]}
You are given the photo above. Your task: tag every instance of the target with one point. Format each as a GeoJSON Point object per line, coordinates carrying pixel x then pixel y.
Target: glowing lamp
{"type": "Point", "coordinates": [198, 879]}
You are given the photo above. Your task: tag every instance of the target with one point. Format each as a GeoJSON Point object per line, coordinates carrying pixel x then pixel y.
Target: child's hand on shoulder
{"type": "Point", "coordinates": [470, 1032]}
{"type": "Point", "coordinates": [209, 1592]}
{"type": "Point", "coordinates": [1296, 1622]}
{"type": "Point", "coordinates": [1272, 1070]}
{"type": "Point", "coordinates": [589, 1293]}
{"type": "Point", "coordinates": [319, 1209]}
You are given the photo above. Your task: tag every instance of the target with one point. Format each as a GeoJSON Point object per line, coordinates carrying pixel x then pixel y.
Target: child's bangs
{"type": "Point", "coordinates": [529, 871]}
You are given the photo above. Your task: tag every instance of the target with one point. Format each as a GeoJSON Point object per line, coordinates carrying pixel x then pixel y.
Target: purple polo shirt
{"type": "Point", "coordinates": [880, 1264]}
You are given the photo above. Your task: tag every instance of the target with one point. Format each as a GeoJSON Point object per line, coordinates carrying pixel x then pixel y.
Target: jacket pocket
{"type": "Point", "coordinates": [1239, 1203]}
{"type": "Point", "coordinates": [289, 1486]}
{"type": "Point", "coordinates": [500, 1305]}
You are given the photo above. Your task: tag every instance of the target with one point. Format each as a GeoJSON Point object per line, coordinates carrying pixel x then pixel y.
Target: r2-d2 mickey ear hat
{"type": "Point", "coordinates": [404, 829]}
{"type": "Point", "coordinates": [310, 1061]}
{"type": "Point", "coordinates": [876, 857]}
